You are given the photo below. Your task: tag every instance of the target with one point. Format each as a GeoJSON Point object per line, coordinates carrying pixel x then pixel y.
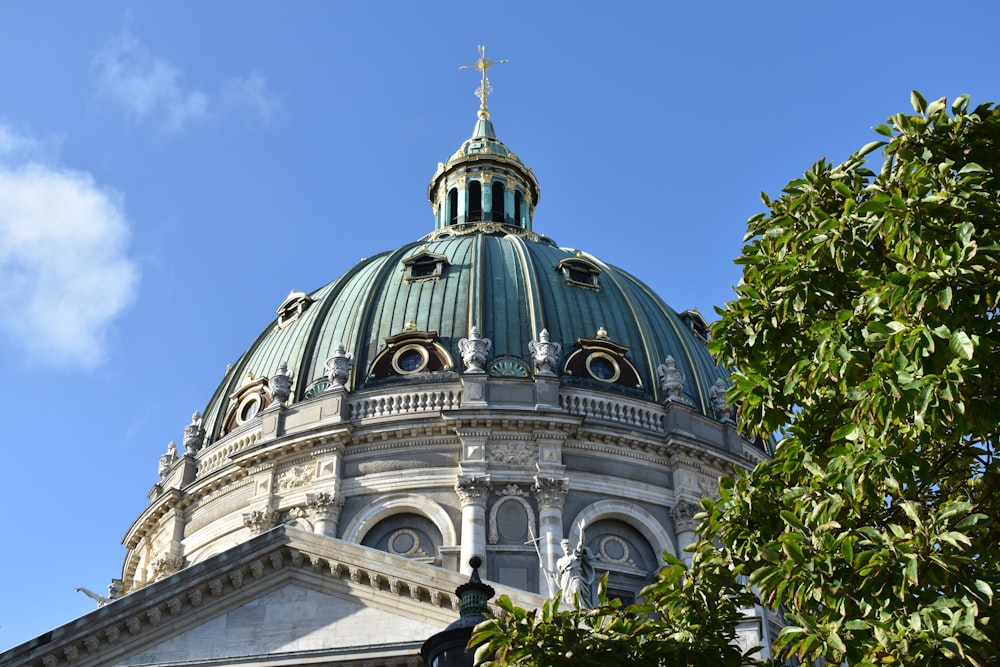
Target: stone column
{"type": "Point", "coordinates": [473, 492]}
{"type": "Point", "coordinates": [324, 510]}
{"type": "Point", "coordinates": [684, 526]}
{"type": "Point", "coordinates": [550, 492]}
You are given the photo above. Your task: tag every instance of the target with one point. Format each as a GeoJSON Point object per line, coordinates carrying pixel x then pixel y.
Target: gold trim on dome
{"type": "Point", "coordinates": [467, 228]}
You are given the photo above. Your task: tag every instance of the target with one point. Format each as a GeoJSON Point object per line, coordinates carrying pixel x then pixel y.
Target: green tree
{"type": "Point", "coordinates": [865, 331]}
{"type": "Point", "coordinates": [687, 617]}
{"type": "Point", "coordinates": [866, 337]}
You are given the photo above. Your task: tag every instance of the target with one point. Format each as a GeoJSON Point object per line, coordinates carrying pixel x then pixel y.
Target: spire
{"type": "Point", "coordinates": [484, 90]}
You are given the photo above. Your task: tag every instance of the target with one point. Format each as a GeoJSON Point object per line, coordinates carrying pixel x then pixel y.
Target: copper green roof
{"type": "Point", "coordinates": [503, 280]}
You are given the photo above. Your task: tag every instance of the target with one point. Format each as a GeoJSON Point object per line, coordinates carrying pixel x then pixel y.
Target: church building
{"type": "Point", "coordinates": [481, 391]}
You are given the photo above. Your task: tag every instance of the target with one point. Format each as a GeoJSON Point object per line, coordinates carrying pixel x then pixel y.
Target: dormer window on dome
{"type": "Point", "coordinates": [411, 352]}
{"type": "Point", "coordinates": [603, 360]}
{"type": "Point", "coordinates": [246, 402]}
{"type": "Point", "coordinates": [696, 322]}
{"type": "Point", "coordinates": [424, 265]}
{"type": "Point", "coordinates": [580, 272]}
{"type": "Point", "coordinates": [292, 307]}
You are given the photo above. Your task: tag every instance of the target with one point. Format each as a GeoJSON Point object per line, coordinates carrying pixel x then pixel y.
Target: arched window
{"type": "Point", "coordinates": [452, 206]}
{"type": "Point", "coordinates": [517, 207]}
{"type": "Point", "coordinates": [475, 202]}
{"type": "Point", "coordinates": [498, 202]}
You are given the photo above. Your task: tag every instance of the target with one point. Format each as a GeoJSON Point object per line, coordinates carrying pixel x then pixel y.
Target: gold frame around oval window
{"type": "Point", "coordinates": [612, 360]}
{"type": "Point", "coordinates": [425, 357]}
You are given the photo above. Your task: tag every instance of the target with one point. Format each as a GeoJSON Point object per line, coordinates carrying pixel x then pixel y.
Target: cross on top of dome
{"type": "Point", "coordinates": [483, 65]}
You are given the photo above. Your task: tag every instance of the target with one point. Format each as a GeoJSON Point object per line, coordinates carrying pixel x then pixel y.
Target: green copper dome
{"type": "Point", "coordinates": [401, 316]}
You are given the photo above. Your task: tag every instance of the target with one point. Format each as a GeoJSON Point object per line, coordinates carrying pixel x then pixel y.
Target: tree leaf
{"type": "Point", "coordinates": [961, 345]}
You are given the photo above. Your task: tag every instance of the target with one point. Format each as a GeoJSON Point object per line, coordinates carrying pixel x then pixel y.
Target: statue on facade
{"type": "Point", "coordinates": [576, 573]}
{"type": "Point", "coordinates": [545, 353]}
{"type": "Point", "coordinates": [718, 394]}
{"type": "Point", "coordinates": [194, 434]}
{"type": "Point", "coordinates": [280, 384]}
{"type": "Point", "coordinates": [338, 367]}
{"type": "Point", "coordinates": [114, 592]}
{"type": "Point", "coordinates": [168, 460]}
{"type": "Point", "coordinates": [671, 379]}
{"type": "Point", "coordinates": [475, 350]}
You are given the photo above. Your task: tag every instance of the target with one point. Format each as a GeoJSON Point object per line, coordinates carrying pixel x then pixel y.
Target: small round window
{"type": "Point", "coordinates": [249, 408]}
{"type": "Point", "coordinates": [410, 359]}
{"type": "Point", "coordinates": [602, 367]}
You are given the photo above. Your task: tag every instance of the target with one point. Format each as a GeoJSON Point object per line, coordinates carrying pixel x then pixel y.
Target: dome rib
{"type": "Point", "coordinates": [530, 277]}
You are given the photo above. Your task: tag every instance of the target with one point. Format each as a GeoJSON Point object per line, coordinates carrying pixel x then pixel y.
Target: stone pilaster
{"type": "Point", "coordinates": [473, 492]}
{"type": "Point", "coordinates": [550, 492]}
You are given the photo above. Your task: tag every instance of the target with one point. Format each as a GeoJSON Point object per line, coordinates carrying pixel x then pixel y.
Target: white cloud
{"type": "Point", "coordinates": [150, 88]}
{"type": "Point", "coordinates": [251, 92]}
{"type": "Point", "coordinates": [64, 271]}
{"type": "Point", "coordinates": [146, 87]}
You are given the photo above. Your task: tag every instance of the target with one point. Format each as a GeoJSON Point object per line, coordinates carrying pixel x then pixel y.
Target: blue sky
{"type": "Point", "coordinates": [169, 171]}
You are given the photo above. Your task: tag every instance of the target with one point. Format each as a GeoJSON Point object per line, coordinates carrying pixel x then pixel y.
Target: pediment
{"type": "Point", "coordinates": [287, 597]}
{"type": "Point", "coordinates": [294, 620]}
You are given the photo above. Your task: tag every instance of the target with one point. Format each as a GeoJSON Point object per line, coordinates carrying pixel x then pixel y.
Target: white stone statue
{"type": "Point", "coordinates": [576, 573]}
{"type": "Point", "coordinates": [168, 459]}
{"type": "Point", "coordinates": [114, 592]}
{"type": "Point", "coordinates": [194, 434]}
{"type": "Point", "coordinates": [718, 395]}
{"type": "Point", "coordinates": [475, 349]}
{"type": "Point", "coordinates": [280, 384]}
{"type": "Point", "coordinates": [338, 367]}
{"type": "Point", "coordinates": [671, 379]}
{"type": "Point", "coordinates": [545, 353]}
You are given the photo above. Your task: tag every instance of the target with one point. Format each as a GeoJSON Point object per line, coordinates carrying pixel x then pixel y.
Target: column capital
{"type": "Point", "coordinates": [551, 491]}
{"type": "Point", "coordinates": [473, 489]}
{"type": "Point", "coordinates": [683, 514]}
{"type": "Point", "coordinates": [324, 505]}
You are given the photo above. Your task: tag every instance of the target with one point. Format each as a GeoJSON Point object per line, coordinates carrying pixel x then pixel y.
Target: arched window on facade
{"type": "Point", "coordinates": [498, 202]}
{"type": "Point", "coordinates": [517, 207]}
{"type": "Point", "coordinates": [475, 202]}
{"type": "Point", "coordinates": [452, 206]}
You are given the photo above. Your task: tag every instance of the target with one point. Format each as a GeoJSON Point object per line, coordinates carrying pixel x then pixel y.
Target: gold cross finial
{"type": "Point", "coordinates": [483, 64]}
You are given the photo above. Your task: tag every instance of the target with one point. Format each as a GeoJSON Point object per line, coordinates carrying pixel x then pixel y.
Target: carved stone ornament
{"type": "Point", "coordinates": [324, 505]}
{"type": "Point", "coordinates": [338, 367]}
{"type": "Point", "coordinates": [671, 379]}
{"type": "Point", "coordinates": [511, 453]}
{"type": "Point", "coordinates": [294, 478]}
{"type": "Point", "coordinates": [718, 394]}
{"type": "Point", "coordinates": [475, 350]}
{"type": "Point", "coordinates": [168, 460]}
{"type": "Point", "coordinates": [551, 491]}
{"type": "Point", "coordinates": [194, 434]}
{"type": "Point", "coordinates": [166, 564]}
{"type": "Point", "coordinates": [260, 521]}
{"type": "Point", "coordinates": [473, 490]}
{"type": "Point", "coordinates": [683, 516]}
{"type": "Point", "coordinates": [545, 354]}
{"type": "Point", "coordinates": [280, 384]}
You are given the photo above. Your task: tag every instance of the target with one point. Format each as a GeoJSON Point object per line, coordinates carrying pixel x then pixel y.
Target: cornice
{"type": "Point", "coordinates": [185, 599]}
